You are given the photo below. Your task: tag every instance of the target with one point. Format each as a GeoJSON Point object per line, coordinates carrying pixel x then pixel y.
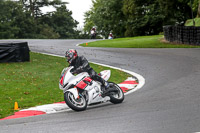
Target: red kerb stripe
{"type": "Point", "coordinates": [129, 82]}
{"type": "Point", "coordinates": [24, 114]}
{"type": "Point", "coordinates": [124, 89]}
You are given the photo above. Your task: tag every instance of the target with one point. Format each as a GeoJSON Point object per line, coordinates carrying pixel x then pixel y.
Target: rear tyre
{"type": "Point", "coordinates": [79, 104]}
{"type": "Point", "coordinates": [116, 96]}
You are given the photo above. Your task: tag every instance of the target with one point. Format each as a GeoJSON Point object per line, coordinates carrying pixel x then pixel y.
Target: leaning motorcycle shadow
{"type": "Point", "coordinates": [102, 106]}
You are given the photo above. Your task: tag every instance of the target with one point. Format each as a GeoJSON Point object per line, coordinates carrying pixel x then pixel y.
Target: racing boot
{"type": "Point", "coordinates": [105, 89]}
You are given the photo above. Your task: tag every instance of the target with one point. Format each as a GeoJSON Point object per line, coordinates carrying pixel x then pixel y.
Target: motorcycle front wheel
{"type": "Point", "coordinates": [116, 96]}
{"type": "Point", "coordinates": [78, 104]}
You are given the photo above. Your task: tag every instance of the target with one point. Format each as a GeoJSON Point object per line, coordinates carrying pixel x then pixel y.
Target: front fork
{"type": "Point", "coordinates": [74, 91]}
{"type": "Point", "coordinates": [84, 94]}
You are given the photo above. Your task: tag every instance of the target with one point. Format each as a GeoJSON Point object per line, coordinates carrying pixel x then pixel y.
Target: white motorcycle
{"type": "Point", "coordinates": [80, 90]}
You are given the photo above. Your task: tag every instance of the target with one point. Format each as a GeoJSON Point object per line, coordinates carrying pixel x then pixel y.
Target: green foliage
{"type": "Point", "coordinates": [9, 13]}
{"type": "Point", "coordinates": [63, 22]}
{"type": "Point", "coordinates": [47, 32]}
{"type": "Point", "coordinates": [107, 16]}
{"type": "Point", "coordinates": [24, 19]}
{"type": "Point", "coordinates": [196, 5]}
{"type": "Point", "coordinates": [88, 21]}
{"type": "Point", "coordinates": [136, 17]}
{"type": "Point", "coordinates": [148, 17]}
{"type": "Point", "coordinates": [124, 18]}
{"type": "Point", "coordinates": [143, 18]}
{"type": "Point", "coordinates": [189, 22]}
{"type": "Point", "coordinates": [175, 11]}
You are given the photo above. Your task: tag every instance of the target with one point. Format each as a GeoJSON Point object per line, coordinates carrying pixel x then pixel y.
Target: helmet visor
{"type": "Point", "coordinates": [69, 57]}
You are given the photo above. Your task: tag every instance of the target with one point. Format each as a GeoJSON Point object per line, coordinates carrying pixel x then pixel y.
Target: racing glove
{"type": "Point", "coordinates": [78, 70]}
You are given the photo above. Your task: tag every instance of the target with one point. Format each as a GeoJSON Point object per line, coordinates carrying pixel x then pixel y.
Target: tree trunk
{"type": "Point", "coordinates": [32, 7]}
{"type": "Point", "coordinates": [198, 12]}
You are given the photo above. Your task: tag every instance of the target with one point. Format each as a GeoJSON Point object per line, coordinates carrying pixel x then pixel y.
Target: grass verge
{"type": "Point", "coordinates": [189, 22]}
{"type": "Point", "coordinates": [36, 82]}
{"type": "Point", "coordinates": [137, 42]}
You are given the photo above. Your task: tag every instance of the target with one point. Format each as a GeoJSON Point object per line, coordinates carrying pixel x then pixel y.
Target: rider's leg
{"type": "Point", "coordinates": [96, 77]}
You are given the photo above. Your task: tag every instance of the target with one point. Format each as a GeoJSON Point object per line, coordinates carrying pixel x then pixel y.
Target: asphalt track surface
{"type": "Point", "coordinates": [169, 102]}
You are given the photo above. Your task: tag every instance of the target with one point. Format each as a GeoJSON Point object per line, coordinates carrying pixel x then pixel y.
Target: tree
{"type": "Point", "coordinates": [175, 11]}
{"type": "Point", "coordinates": [88, 24]}
{"type": "Point", "coordinates": [62, 22]}
{"type": "Point", "coordinates": [107, 16]}
{"type": "Point", "coordinates": [198, 11]}
{"type": "Point", "coordinates": [48, 32]}
{"type": "Point", "coordinates": [9, 12]}
{"type": "Point", "coordinates": [143, 17]}
{"type": "Point", "coordinates": [34, 6]}
{"type": "Point", "coordinates": [24, 19]}
{"type": "Point", "coordinates": [136, 17]}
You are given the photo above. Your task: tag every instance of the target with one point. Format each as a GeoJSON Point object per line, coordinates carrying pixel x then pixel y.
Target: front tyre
{"type": "Point", "coordinates": [78, 104]}
{"type": "Point", "coordinates": [116, 96]}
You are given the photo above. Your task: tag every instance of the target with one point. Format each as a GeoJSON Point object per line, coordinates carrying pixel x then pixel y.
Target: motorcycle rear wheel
{"type": "Point", "coordinates": [116, 96]}
{"type": "Point", "coordinates": [79, 104]}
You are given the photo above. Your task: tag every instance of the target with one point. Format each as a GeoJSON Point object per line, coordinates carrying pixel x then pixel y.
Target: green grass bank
{"type": "Point", "coordinates": [36, 82]}
{"type": "Point", "coordinates": [189, 22]}
{"type": "Point", "coordinates": [137, 42]}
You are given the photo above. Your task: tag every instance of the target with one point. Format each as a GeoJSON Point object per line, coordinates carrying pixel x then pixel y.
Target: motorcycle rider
{"type": "Point", "coordinates": [93, 29]}
{"type": "Point", "coordinates": [93, 32]}
{"type": "Point", "coordinates": [81, 64]}
{"type": "Point", "coordinates": [110, 36]}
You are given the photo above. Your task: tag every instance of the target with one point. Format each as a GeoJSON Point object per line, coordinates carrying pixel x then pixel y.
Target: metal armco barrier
{"type": "Point", "coordinates": [182, 34]}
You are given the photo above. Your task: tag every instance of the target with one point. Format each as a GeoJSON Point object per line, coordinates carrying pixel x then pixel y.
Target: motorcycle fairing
{"type": "Point", "coordinates": [62, 78]}
{"type": "Point", "coordinates": [105, 74]}
{"type": "Point", "coordinates": [84, 83]}
{"type": "Point", "coordinates": [81, 85]}
{"type": "Point", "coordinates": [74, 91]}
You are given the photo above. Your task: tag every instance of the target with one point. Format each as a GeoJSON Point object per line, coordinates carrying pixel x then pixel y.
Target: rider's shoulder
{"type": "Point", "coordinates": [82, 57]}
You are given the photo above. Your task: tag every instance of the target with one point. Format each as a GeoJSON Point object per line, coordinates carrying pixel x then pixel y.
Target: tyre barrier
{"type": "Point", "coordinates": [14, 52]}
{"type": "Point", "coordinates": [182, 34]}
